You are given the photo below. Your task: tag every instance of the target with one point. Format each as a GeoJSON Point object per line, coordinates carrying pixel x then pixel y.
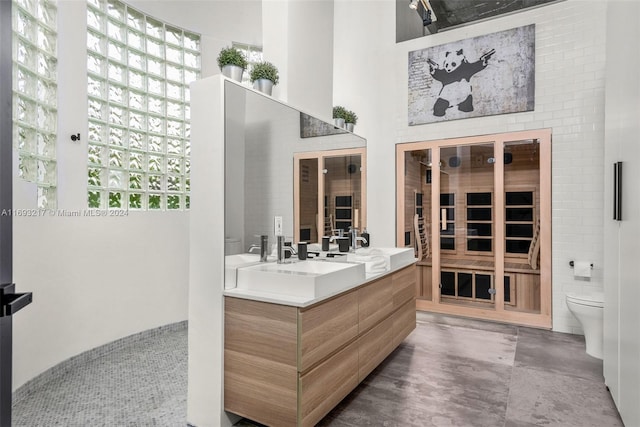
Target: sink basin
{"type": "Point", "coordinates": [379, 260]}
{"type": "Point", "coordinates": [398, 257]}
{"type": "Point", "coordinates": [310, 279]}
{"type": "Point", "coordinates": [233, 262]}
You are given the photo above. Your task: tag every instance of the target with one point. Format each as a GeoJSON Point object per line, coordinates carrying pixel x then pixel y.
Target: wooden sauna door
{"type": "Point", "coordinates": [468, 232]}
{"type": "Point", "coordinates": [489, 213]}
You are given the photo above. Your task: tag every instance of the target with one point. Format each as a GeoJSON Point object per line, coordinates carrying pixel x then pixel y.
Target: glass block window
{"type": "Point", "coordinates": [139, 70]}
{"type": "Point", "coordinates": [35, 94]}
{"type": "Point", "coordinates": [253, 54]}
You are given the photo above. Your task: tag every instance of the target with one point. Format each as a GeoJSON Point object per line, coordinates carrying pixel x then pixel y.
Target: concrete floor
{"type": "Point", "coordinates": [449, 372]}
{"type": "Point", "coordinates": [460, 372]}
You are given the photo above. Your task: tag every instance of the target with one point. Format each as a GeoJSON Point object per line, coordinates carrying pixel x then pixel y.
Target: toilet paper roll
{"type": "Point", "coordinates": [581, 269]}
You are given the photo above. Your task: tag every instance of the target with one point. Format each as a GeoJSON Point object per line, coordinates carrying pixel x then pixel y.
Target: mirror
{"type": "Point", "coordinates": [329, 193]}
{"type": "Point", "coordinates": [262, 136]}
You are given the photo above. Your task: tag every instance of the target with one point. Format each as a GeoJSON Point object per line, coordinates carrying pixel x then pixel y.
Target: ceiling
{"type": "Point", "coordinates": [451, 13]}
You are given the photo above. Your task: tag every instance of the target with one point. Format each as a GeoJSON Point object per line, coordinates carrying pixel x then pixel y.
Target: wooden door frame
{"type": "Point", "coordinates": [320, 156]}
{"type": "Point", "coordinates": [541, 320]}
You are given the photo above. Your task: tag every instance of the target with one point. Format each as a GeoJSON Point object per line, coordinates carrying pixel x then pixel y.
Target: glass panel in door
{"type": "Point", "coordinates": [522, 226]}
{"type": "Point", "coordinates": [308, 200]}
{"type": "Point", "coordinates": [418, 231]}
{"type": "Point", "coordinates": [466, 226]}
{"type": "Point", "coordinates": [342, 192]}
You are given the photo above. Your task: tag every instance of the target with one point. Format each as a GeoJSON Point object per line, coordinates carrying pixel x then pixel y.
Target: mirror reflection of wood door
{"type": "Point", "coordinates": [329, 193]}
{"type": "Point", "coordinates": [485, 204]}
{"type": "Point", "coordinates": [308, 201]}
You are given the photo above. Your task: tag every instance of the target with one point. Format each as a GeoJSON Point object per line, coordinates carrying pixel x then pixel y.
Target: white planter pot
{"type": "Point", "coordinates": [263, 85]}
{"type": "Point", "coordinates": [338, 122]}
{"type": "Point", "coordinates": [349, 127]}
{"type": "Point", "coordinates": [233, 72]}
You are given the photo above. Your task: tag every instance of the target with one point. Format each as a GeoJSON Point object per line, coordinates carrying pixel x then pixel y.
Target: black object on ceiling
{"type": "Point", "coordinates": [452, 13]}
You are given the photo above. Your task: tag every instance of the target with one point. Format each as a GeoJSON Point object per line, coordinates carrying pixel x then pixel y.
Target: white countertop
{"type": "Point", "coordinates": [296, 301]}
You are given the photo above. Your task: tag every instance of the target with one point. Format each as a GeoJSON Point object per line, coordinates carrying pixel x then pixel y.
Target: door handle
{"type": "Point", "coordinates": [11, 302]}
{"type": "Point", "coordinates": [617, 191]}
{"type": "Point", "coordinates": [17, 302]}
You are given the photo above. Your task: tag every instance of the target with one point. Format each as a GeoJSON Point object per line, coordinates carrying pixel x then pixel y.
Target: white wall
{"type": "Point", "coordinates": [370, 74]}
{"type": "Point", "coordinates": [298, 39]}
{"type": "Point", "coordinates": [99, 279]}
{"type": "Point", "coordinates": [311, 57]}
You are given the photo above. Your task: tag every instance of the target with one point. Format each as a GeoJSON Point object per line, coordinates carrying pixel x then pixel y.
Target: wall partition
{"type": "Point", "coordinates": [478, 212]}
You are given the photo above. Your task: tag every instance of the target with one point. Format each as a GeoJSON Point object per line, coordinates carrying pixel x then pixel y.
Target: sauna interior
{"type": "Point", "coordinates": [472, 209]}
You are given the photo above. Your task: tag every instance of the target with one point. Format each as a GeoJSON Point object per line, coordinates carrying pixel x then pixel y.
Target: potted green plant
{"type": "Point", "coordinates": [339, 116]}
{"type": "Point", "coordinates": [264, 75]}
{"type": "Point", "coordinates": [232, 63]}
{"type": "Point", "coordinates": [350, 120]}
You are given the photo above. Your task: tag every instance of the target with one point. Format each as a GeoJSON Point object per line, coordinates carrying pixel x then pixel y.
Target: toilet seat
{"type": "Point", "coordinates": [595, 299]}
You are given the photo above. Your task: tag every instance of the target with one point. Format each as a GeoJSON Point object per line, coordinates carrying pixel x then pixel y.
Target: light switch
{"type": "Point", "coordinates": [277, 226]}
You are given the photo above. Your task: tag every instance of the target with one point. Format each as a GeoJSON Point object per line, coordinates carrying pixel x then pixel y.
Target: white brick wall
{"type": "Point", "coordinates": [569, 99]}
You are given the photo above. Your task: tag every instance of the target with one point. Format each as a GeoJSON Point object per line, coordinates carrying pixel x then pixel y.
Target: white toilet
{"type": "Point", "coordinates": [588, 310]}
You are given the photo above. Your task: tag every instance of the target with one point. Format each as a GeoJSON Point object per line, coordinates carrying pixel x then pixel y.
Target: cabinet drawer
{"type": "Point", "coordinates": [268, 331]}
{"type": "Point", "coordinates": [260, 389]}
{"type": "Point", "coordinates": [404, 286]}
{"type": "Point", "coordinates": [374, 346]}
{"type": "Point", "coordinates": [327, 327]}
{"type": "Point", "coordinates": [375, 302]}
{"type": "Point", "coordinates": [404, 322]}
{"type": "Point", "coordinates": [260, 365]}
{"type": "Point", "coordinates": [326, 385]}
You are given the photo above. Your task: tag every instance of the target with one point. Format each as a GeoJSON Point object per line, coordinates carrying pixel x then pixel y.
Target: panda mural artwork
{"type": "Point", "coordinates": [480, 76]}
{"type": "Point", "coordinates": [455, 76]}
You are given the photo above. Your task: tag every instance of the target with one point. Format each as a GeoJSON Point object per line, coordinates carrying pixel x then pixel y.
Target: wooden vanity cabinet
{"type": "Point", "coordinates": [289, 366]}
{"type": "Point", "coordinates": [326, 327]}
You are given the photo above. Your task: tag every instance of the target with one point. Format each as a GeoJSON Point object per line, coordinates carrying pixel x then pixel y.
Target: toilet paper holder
{"type": "Point", "coordinates": [571, 264]}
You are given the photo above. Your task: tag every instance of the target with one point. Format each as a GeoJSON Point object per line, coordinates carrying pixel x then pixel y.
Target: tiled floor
{"type": "Point", "coordinates": [449, 372]}
{"type": "Point", "coordinates": [138, 381]}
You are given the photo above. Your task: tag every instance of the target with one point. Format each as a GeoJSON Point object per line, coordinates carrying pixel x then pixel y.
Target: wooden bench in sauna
{"type": "Point", "coordinates": [522, 283]}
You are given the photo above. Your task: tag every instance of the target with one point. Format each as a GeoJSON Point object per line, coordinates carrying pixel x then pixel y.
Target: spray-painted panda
{"type": "Point", "coordinates": [455, 74]}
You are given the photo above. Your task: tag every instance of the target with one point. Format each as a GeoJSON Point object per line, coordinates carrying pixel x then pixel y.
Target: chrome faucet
{"type": "Point", "coordinates": [288, 246]}
{"type": "Point", "coordinates": [263, 247]}
{"type": "Point", "coordinates": [334, 237]}
{"type": "Point", "coordinates": [283, 248]}
{"type": "Point", "coordinates": [354, 238]}
{"type": "Point", "coordinates": [280, 249]}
